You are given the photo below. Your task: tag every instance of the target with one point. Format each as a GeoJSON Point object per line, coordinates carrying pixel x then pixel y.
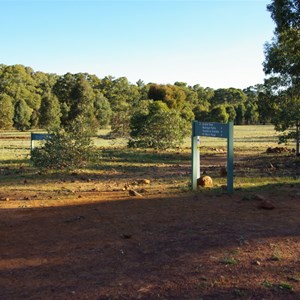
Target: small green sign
{"type": "Point", "coordinates": [211, 129]}
{"type": "Point", "coordinates": [38, 137]}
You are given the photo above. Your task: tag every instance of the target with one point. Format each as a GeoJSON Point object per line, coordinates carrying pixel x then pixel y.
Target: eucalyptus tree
{"type": "Point", "coordinates": [76, 97]}
{"type": "Point", "coordinates": [22, 115]}
{"type": "Point", "coordinates": [174, 96]}
{"type": "Point", "coordinates": [102, 110]}
{"type": "Point", "coordinates": [155, 125]}
{"type": "Point", "coordinates": [251, 105]}
{"type": "Point", "coordinates": [6, 111]}
{"type": "Point", "coordinates": [123, 98]}
{"type": "Point", "coordinates": [18, 82]}
{"type": "Point", "coordinates": [228, 96]}
{"type": "Point", "coordinates": [50, 111]}
{"type": "Point", "coordinates": [282, 68]}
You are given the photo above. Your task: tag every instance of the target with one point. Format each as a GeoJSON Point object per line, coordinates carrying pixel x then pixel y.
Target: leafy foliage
{"type": "Point", "coordinates": [102, 110]}
{"type": "Point", "coordinates": [174, 96]}
{"type": "Point", "coordinates": [38, 99]}
{"type": "Point", "coordinates": [50, 111]}
{"type": "Point", "coordinates": [65, 150]}
{"type": "Point", "coordinates": [154, 125]}
{"type": "Point", "coordinates": [219, 114]}
{"type": "Point", "coordinates": [22, 115]}
{"type": "Point", "coordinates": [282, 66]}
{"type": "Point", "coordinates": [6, 112]}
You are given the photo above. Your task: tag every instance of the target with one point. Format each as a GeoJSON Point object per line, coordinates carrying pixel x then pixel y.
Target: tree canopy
{"type": "Point", "coordinates": [282, 67]}
{"type": "Point", "coordinates": [30, 99]}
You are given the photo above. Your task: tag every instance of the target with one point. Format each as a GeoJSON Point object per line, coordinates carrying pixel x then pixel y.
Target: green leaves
{"type": "Point", "coordinates": [65, 151]}
{"type": "Point", "coordinates": [282, 65]}
{"type": "Point", "coordinates": [156, 126]}
{"type": "Point", "coordinates": [22, 115]}
{"type": "Point", "coordinates": [6, 112]}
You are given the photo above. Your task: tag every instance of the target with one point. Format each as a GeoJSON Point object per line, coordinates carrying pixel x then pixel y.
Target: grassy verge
{"type": "Point", "coordinates": [254, 169]}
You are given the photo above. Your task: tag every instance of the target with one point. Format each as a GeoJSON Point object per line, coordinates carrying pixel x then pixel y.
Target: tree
{"type": "Point", "coordinates": [256, 105]}
{"type": "Point", "coordinates": [282, 68]}
{"type": "Point", "coordinates": [62, 89]}
{"type": "Point", "coordinates": [44, 82]}
{"type": "Point", "coordinates": [173, 96]}
{"type": "Point", "coordinates": [201, 115]}
{"type": "Point", "coordinates": [82, 105]}
{"type": "Point", "coordinates": [143, 89]}
{"type": "Point", "coordinates": [123, 98]}
{"type": "Point", "coordinates": [231, 113]}
{"type": "Point", "coordinates": [6, 112]}
{"type": "Point", "coordinates": [50, 111]}
{"type": "Point", "coordinates": [19, 83]}
{"type": "Point", "coordinates": [187, 116]}
{"type": "Point", "coordinates": [22, 115]}
{"type": "Point", "coordinates": [228, 96]}
{"type": "Point", "coordinates": [76, 98]}
{"type": "Point", "coordinates": [204, 96]}
{"type": "Point", "coordinates": [102, 110]}
{"type": "Point", "coordinates": [251, 113]}
{"type": "Point", "coordinates": [202, 105]}
{"type": "Point", "coordinates": [240, 114]}
{"type": "Point", "coordinates": [219, 114]}
{"type": "Point", "coordinates": [155, 125]}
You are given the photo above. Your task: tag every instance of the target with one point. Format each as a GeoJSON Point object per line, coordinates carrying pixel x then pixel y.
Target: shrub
{"type": "Point", "coordinates": [65, 151]}
{"type": "Point", "coordinates": [157, 126]}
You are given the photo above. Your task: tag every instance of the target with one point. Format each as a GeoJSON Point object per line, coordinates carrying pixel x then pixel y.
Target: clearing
{"type": "Point", "coordinates": [84, 236]}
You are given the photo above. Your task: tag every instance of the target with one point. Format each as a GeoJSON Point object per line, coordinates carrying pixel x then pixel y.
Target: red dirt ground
{"type": "Point", "coordinates": [168, 244]}
{"type": "Point", "coordinates": [186, 246]}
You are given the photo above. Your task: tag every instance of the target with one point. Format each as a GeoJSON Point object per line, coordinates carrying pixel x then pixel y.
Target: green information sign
{"type": "Point", "coordinates": [38, 137]}
{"type": "Point", "coordinates": [211, 129]}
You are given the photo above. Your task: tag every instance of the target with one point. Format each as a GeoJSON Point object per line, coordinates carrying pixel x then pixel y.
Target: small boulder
{"type": "Point", "coordinates": [126, 236]}
{"type": "Point", "coordinates": [266, 204]}
{"type": "Point", "coordinates": [144, 181]}
{"type": "Point", "coordinates": [205, 181]}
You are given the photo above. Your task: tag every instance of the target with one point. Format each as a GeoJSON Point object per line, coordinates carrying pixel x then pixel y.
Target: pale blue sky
{"type": "Point", "coordinates": [215, 43]}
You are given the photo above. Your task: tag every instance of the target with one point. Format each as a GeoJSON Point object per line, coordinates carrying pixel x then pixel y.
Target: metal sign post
{"type": "Point", "coordinates": [210, 129]}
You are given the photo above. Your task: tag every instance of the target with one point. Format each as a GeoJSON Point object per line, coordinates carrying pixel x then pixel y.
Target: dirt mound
{"type": "Point", "coordinates": [280, 150]}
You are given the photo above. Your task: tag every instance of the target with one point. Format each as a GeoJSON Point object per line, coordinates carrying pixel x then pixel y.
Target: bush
{"type": "Point", "coordinates": [64, 151]}
{"type": "Point", "coordinates": [157, 126]}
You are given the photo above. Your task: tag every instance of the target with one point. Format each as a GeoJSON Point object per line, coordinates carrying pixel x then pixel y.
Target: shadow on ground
{"type": "Point", "coordinates": [187, 246]}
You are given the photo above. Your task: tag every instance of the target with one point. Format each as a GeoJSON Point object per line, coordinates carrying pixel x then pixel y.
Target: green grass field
{"type": "Point", "coordinates": [252, 164]}
{"type": "Point", "coordinates": [16, 145]}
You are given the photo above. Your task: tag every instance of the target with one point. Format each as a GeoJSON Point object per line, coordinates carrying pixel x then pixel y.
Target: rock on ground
{"type": "Point", "coordinates": [205, 181]}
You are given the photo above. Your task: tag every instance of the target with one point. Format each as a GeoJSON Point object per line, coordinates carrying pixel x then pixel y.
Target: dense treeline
{"type": "Point", "coordinates": [30, 99]}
